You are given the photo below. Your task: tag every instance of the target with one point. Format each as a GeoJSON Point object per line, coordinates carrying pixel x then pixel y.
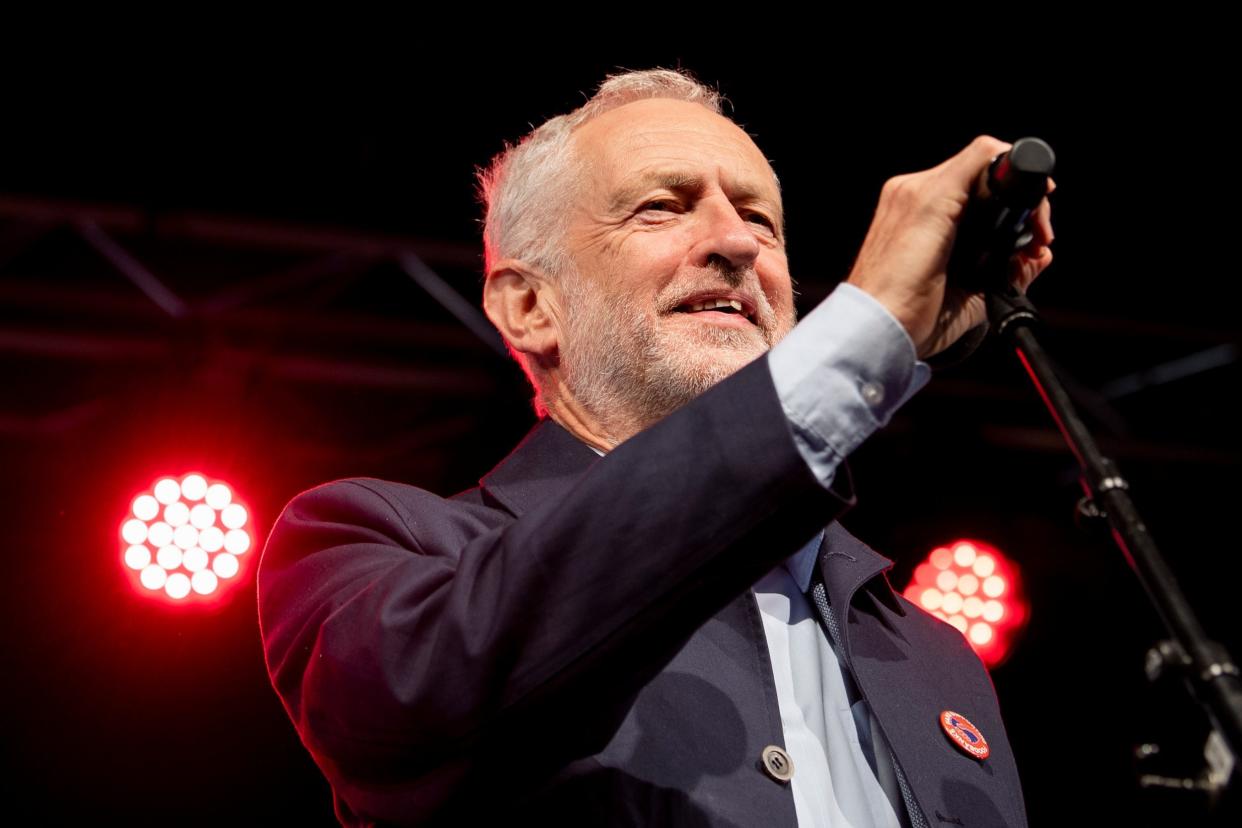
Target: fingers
{"type": "Point", "coordinates": [1037, 255]}
{"type": "Point", "coordinates": [1037, 267]}
{"type": "Point", "coordinates": [903, 261]}
{"type": "Point", "coordinates": [1041, 226]}
{"type": "Point", "coordinates": [1027, 266]}
{"type": "Point", "coordinates": [965, 169]}
{"type": "Point", "coordinates": [957, 178]}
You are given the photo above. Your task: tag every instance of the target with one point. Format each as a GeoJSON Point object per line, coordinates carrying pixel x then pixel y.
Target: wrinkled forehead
{"type": "Point", "coordinates": [660, 136]}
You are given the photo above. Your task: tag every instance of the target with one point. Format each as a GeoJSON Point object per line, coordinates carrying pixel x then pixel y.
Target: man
{"type": "Point", "coordinates": [645, 615]}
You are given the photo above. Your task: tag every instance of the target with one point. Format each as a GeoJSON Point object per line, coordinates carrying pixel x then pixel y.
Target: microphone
{"type": "Point", "coordinates": [995, 225]}
{"type": "Point", "coordinates": [997, 220]}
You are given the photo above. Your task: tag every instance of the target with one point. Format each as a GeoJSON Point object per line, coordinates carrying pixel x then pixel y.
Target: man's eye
{"type": "Point", "coordinates": [760, 218]}
{"type": "Point", "coordinates": [660, 205]}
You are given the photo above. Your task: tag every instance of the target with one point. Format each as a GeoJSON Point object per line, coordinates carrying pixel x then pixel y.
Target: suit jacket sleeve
{"type": "Point", "coordinates": [411, 665]}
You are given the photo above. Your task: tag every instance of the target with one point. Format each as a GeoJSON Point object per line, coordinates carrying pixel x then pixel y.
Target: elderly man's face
{"type": "Point", "coordinates": [678, 207]}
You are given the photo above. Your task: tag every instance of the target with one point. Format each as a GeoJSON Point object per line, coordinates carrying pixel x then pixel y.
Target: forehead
{"type": "Point", "coordinates": [660, 136]}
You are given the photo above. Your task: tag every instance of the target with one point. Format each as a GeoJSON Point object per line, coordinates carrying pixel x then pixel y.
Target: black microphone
{"type": "Point", "coordinates": [996, 224]}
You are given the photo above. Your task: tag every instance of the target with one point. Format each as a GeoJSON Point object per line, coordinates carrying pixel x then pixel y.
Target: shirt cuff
{"type": "Point", "coordinates": [841, 373]}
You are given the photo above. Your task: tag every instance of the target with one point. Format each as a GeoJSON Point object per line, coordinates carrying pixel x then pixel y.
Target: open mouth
{"type": "Point", "coordinates": [718, 309]}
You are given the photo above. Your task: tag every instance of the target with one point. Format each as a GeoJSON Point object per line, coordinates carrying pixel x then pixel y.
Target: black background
{"type": "Point", "coordinates": [120, 707]}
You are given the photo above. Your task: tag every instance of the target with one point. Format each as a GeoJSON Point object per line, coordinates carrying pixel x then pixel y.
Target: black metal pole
{"type": "Point", "coordinates": [995, 227]}
{"type": "Point", "coordinates": [1207, 668]}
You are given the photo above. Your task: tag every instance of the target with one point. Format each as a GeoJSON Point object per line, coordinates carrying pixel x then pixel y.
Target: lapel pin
{"type": "Point", "coordinates": [964, 734]}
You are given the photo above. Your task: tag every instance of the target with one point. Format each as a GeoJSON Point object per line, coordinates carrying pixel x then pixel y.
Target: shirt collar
{"type": "Point", "coordinates": [801, 564]}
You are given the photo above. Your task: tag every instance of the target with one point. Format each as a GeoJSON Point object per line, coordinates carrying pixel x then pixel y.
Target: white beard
{"type": "Point", "coordinates": [630, 370]}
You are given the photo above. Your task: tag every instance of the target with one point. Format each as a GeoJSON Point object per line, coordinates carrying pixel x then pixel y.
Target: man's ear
{"type": "Point", "coordinates": [523, 304]}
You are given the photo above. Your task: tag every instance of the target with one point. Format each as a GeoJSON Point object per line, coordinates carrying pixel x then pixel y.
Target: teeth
{"type": "Point", "coordinates": [717, 303]}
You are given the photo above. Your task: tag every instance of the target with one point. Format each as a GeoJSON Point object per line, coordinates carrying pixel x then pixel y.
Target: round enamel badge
{"type": "Point", "coordinates": [964, 734]}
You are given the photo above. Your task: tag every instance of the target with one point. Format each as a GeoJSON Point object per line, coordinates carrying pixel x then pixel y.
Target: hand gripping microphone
{"type": "Point", "coordinates": [996, 223]}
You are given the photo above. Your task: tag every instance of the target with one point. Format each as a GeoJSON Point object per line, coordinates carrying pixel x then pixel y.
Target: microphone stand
{"type": "Point", "coordinates": [999, 227]}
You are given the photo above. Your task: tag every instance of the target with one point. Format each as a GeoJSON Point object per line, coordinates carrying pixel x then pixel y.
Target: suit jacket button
{"type": "Point", "coordinates": [777, 764]}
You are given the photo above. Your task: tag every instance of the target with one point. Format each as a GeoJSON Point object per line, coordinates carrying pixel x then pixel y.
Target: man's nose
{"type": "Point", "coordinates": [726, 236]}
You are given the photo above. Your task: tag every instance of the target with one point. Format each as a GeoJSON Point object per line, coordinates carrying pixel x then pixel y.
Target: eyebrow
{"type": "Point", "coordinates": [685, 182]}
{"type": "Point", "coordinates": [656, 180]}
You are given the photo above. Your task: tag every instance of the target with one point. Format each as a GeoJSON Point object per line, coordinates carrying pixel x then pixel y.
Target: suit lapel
{"type": "Point", "coordinates": [894, 659]}
{"type": "Point", "coordinates": [899, 665]}
{"type": "Point", "coordinates": [728, 653]}
{"type": "Point", "coordinates": [846, 564]}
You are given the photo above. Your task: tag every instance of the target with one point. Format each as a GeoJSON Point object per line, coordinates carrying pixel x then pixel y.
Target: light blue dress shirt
{"type": "Point", "coordinates": [840, 374]}
{"type": "Point", "coordinates": [843, 770]}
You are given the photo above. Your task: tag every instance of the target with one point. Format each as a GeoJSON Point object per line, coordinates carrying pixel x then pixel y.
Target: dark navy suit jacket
{"type": "Point", "coordinates": [575, 641]}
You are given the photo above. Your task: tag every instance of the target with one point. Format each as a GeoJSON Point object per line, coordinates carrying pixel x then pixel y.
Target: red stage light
{"type": "Point", "coordinates": [218, 496]}
{"type": "Point", "coordinates": [186, 540]}
{"type": "Point", "coordinates": [236, 541]}
{"type": "Point", "coordinates": [146, 507]}
{"type": "Point", "coordinates": [137, 556]}
{"type": "Point", "coordinates": [211, 539]}
{"type": "Point", "coordinates": [193, 487]}
{"type": "Point", "coordinates": [167, 490]}
{"type": "Point", "coordinates": [202, 516]}
{"type": "Point", "coordinates": [153, 577]}
{"type": "Point", "coordinates": [975, 588]}
{"type": "Point", "coordinates": [224, 565]}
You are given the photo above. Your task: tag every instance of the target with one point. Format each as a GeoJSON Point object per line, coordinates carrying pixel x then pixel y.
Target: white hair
{"type": "Point", "coordinates": [528, 188]}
